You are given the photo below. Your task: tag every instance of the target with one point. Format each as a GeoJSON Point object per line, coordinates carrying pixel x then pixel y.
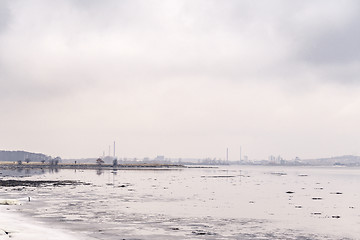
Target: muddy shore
{"type": "Point", "coordinates": [38, 183]}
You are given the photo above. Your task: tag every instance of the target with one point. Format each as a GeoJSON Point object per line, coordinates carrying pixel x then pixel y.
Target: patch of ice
{"type": "Point", "coordinates": [17, 227]}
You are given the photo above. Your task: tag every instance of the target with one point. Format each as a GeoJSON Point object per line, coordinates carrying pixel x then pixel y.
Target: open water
{"type": "Point", "coordinates": [228, 202]}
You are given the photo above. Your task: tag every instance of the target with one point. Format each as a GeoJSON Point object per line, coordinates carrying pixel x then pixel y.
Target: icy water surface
{"type": "Point", "coordinates": [241, 202]}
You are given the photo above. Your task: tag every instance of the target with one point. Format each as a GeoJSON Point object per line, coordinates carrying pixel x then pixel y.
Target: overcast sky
{"type": "Point", "coordinates": [185, 78]}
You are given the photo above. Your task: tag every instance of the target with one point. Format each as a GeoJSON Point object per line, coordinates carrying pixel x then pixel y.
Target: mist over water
{"type": "Point", "coordinates": [229, 202]}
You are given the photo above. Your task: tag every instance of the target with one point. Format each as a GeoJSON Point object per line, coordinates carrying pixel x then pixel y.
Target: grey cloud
{"type": "Point", "coordinates": [326, 35]}
{"type": "Point", "coordinates": [153, 65]}
{"type": "Point", "coordinates": [229, 40]}
{"type": "Point", "coordinates": [332, 45]}
{"type": "Point", "coordinates": [5, 16]}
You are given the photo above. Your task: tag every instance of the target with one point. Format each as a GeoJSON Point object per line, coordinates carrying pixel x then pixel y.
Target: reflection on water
{"type": "Point", "coordinates": [99, 171]}
{"type": "Point", "coordinates": [217, 203]}
{"type": "Point", "coordinates": [24, 172]}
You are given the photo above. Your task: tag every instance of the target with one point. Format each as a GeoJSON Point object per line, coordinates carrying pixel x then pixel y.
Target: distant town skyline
{"type": "Point", "coordinates": [180, 78]}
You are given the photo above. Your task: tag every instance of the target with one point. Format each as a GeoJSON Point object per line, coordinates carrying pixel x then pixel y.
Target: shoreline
{"type": "Point", "coordinates": [11, 166]}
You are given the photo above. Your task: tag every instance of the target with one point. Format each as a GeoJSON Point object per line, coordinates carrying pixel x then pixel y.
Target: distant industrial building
{"type": "Point", "coordinates": [14, 156]}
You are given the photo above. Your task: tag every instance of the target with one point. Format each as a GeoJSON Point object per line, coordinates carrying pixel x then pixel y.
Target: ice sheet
{"type": "Point", "coordinates": [17, 227]}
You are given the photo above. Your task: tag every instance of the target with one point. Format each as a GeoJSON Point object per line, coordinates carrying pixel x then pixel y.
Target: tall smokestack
{"type": "Point", "coordinates": [227, 154]}
{"type": "Point", "coordinates": [240, 153]}
{"type": "Point", "coordinates": [114, 149]}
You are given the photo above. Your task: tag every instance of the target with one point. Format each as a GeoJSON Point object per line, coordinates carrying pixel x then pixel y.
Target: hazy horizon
{"type": "Point", "coordinates": [180, 78]}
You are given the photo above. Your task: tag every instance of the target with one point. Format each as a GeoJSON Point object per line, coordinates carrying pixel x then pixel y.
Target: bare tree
{"type": "Point", "coordinates": [99, 161]}
{"type": "Point", "coordinates": [57, 160]}
{"type": "Point", "coordinates": [115, 162]}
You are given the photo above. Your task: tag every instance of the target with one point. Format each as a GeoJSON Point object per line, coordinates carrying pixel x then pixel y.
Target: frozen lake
{"type": "Point", "coordinates": [228, 202]}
